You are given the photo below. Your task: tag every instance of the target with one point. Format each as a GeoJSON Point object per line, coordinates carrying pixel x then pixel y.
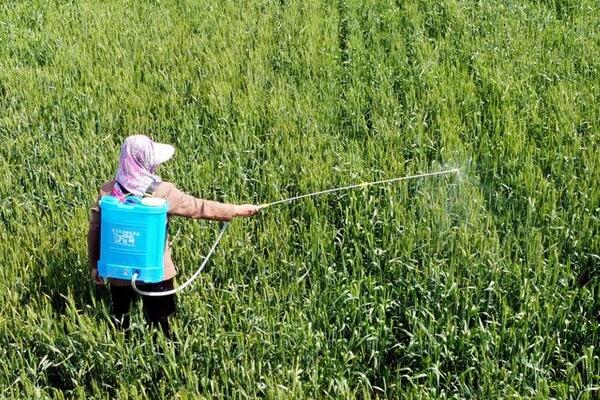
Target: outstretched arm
{"type": "Point", "coordinates": [186, 205]}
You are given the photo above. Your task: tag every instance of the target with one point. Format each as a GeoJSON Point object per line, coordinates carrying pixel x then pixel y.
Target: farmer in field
{"type": "Point", "coordinates": [135, 176]}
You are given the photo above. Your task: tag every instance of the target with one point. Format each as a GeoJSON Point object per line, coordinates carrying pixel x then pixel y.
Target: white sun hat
{"type": "Point", "coordinates": [162, 152]}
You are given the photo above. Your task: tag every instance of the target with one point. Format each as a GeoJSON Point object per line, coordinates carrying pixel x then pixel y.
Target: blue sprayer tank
{"type": "Point", "coordinates": [132, 238]}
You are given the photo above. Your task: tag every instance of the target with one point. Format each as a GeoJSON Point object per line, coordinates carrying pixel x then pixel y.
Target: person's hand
{"type": "Point", "coordinates": [95, 278]}
{"type": "Point", "coordinates": [246, 210]}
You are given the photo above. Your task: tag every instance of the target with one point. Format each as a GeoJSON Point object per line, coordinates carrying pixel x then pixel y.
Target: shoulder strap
{"type": "Point", "coordinates": [151, 189]}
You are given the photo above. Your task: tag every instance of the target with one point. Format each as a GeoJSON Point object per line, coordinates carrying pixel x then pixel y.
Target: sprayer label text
{"type": "Point", "coordinates": [124, 237]}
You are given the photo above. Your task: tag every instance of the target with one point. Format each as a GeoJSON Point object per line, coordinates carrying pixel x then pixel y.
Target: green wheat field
{"type": "Point", "coordinates": [479, 285]}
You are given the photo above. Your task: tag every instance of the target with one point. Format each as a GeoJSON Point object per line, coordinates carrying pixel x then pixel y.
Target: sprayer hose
{"type": "Point", "coordinates": [192, 278]}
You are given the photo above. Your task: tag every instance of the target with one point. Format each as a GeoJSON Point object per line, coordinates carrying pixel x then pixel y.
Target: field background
{"type": "Point", "coordinates": [484, 285]}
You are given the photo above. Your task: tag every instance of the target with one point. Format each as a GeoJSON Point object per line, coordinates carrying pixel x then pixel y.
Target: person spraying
{"type": "Point", "coordinates": [135, 179]}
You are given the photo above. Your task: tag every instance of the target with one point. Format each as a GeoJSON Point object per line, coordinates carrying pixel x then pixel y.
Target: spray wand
{"type": "Point", "coordinates": [364, 184]}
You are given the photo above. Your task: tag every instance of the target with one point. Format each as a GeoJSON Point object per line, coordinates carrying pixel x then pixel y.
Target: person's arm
{"type": "Point", "coordinates": [93, 243]}
{"type": "Point", "coordinates": [186, 205]}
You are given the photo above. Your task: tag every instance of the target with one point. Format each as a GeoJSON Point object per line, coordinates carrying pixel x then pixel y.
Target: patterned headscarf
{"type": "Point", "coordinates": [139, 158]}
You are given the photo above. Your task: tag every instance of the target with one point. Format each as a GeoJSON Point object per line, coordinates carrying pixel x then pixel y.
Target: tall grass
{"type": "Point", "coordinates": [480, 286]}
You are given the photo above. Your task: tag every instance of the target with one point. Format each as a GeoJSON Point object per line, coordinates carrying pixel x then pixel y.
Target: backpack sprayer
{"type": "Point", "coordinates": [132, 238]}
{"type": "Point", "coordinates": [133, 235]}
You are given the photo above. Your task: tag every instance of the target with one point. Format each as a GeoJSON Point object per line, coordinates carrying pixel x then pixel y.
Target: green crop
{"type": "Point", "coordinates": [483, 285]}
